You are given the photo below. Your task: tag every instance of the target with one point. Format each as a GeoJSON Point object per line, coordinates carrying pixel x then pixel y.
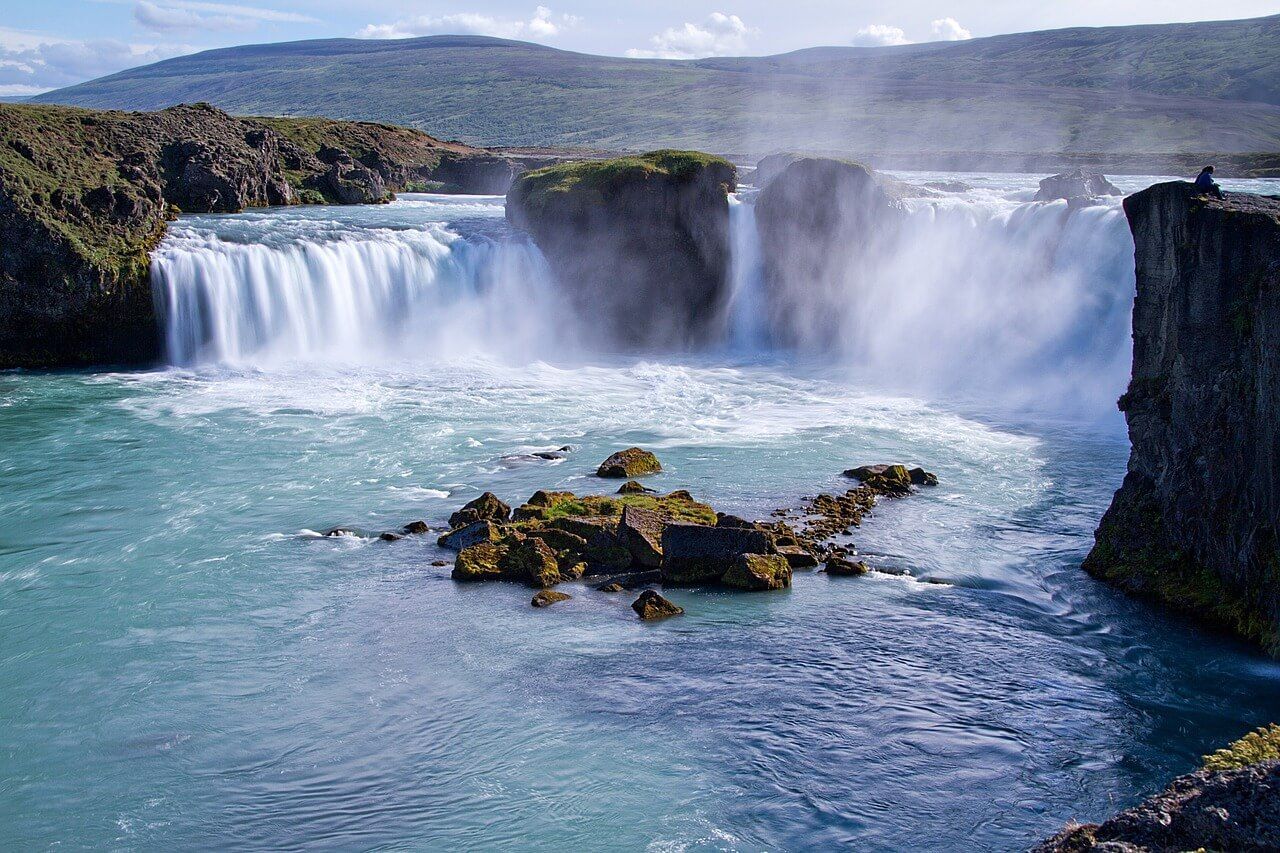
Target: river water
{"type": "Point", "coordinates": [186, 665]}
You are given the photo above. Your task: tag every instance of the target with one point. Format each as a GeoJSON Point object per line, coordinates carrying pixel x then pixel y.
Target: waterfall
{"type": "Point", "coordinates": [748, 328]}
{"type": "Point", "coordinates": [347, 294]}
{"type": "Point", "coordinates": [979, 295]}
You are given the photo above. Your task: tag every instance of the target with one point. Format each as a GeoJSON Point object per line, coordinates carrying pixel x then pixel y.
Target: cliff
{"type": "Point", "coordinates": [641, 242]}
{"type": "Point", "coordinates": [1194, 525]}
{"type": "Point", "coordinates": [85, 195]}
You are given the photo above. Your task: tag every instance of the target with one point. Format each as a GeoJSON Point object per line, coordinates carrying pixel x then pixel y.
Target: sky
{"type": "Point", "coordinates": [47, 44]}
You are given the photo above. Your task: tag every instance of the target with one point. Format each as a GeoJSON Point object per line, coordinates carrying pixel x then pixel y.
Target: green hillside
{"type": "Point", "coordinates": [1167, 88]}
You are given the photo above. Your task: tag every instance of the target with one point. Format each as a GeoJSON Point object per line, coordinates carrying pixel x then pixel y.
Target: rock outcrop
{"type": "Point", "coordinates": [85, 197]}
{"type": "Point", "coordinates": [1076, 186]}
{"type": "Point", "coordinates": [640, 243]}
{"type": "Point", "coordinates": [1195, 523]}
{"type": "Point", "coordinates": [1232, 803]}
{"type": "Point", "coordinates": [824, 226]}
{"type": "Point", "coordinates": [632, 462]}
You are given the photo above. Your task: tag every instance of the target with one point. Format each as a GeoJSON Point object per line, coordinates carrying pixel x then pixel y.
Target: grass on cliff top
{"type": "Point", "coordinates": [601, 175]}
{"type": "Point", "coordinates": [409, 146]}
{"type": "Point", "coordinates": [1253, 748]}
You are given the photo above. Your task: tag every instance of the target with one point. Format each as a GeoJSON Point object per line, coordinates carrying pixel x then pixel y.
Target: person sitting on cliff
{"type": "Point", "coordinates": [1206, 184]}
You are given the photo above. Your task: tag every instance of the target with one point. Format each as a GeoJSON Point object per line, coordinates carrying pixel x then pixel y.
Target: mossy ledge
{"type": "Point", "coordinates": [1194, 526]}
{"type": "Point", "coordinates": [640, 243]}
{"type": "Point", "coordinates": [85, 196]}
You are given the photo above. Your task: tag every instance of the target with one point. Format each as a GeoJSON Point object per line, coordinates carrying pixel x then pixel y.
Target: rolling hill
{"type": "Point", "coordinates": [1165, 88]}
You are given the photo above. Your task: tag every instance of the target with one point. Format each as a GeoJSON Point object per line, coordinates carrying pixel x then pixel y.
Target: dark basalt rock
{"type": "Point", "coordinates": [841, 567]}
{"type": "Point", "coordinates": [1235, 810]}
{"type": "Point", "coordinates": [1076, 185]}
{"type": "Point", "coordinates": [548, 597]}
{"type": "Point", "coordinates": [640, 244]}
{"type": "Point", "coordinates": [651, 605]}
{"type": "Point", "coordinates": [487, 507]}
{"type": "Point", "coordinates": [415, 528]}
{"type": "Point", "coordinates": [388, 536]}
{"type": "Point", "coordinates": [632, 462]}
{"type": "Point", "coordinates": [1195, 523]}
{"type": "Point", "coordinates": [697, 554]}
{"type": "Point", "coordinates": [758, 572]}
{"type": "Point", "coordinates": [640, 532]}
{"type": "Point", "coordinates": [472, 534]}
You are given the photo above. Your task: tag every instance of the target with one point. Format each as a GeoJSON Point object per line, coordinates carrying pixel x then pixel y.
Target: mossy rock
{"type": "Point", "coordinates": [531, 561]}
{"type": "Point", "coordinates": [758, 572]}
{"type": "Point", "coordinates": [548, 597]}
{"type": "Point", "coordinates": [481, 562]}
{"type": "Point", "coordinates": [595, 179]}
{"type": "Point", "coordinates": [651, 605]}
{"type": "Point", "coordinates": [1254, 748]}
{"type": "Point", "coordinates": [632, 462]}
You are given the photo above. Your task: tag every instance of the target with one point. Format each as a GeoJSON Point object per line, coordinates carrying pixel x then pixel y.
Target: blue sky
{"type": "Point", "coordinates": [46, 44]}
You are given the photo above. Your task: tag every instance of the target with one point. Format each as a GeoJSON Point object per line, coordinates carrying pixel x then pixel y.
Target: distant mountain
{"type": "Point", "coordinates": [1164, 88]}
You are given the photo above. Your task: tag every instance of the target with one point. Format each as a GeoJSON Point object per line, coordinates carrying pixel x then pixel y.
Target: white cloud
{"type": "Point", "coordinates": [949, 29]}
{"type": "Point", "coordinates": [544, 24]}
{"type": "Point", "coordinates": [718, 35]}
{"type": "Point", "coordinates": [31, 63]}
{"type": "Point", "coordinates": [880, 35]}
{"type": "Point", "coordinates": [172, 15]}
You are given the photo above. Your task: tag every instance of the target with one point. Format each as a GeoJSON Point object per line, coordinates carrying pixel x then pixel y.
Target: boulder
{"type": "Point", "coordinates": [487, 507]}
{"type": "Point", "coordinates": [531, 561]}
{"type": "Point", "coordinates": [561, 541]}
{"type": "Point", "coordinates": [639, 245]}
{"type": "Point", "coordinates": [841, 567]}
{"type": "Point", "coordinates": [1076, 185]}
{"type": "Point", "coordinates": [640, 532]}
{"type": "Point", "coordinates": [695, 553]}
{"type": "Point", "coordinates": [651, 605]}
{"type": "Point", "coordinates": [631, 487]}
{"type": "Point", "coordinates": [757, 572]}
{"type": "Point", "coordinates": [921, 477]}
{"type": "Point", "coordinates": [472, 534]}
{"type": "Point", "coordinates": [796, 556]}
{"type": "Point", "coordinates": [632, 462]}
{"type": "Point", "coordinates": [480, 562]}
{"type": "Point", "coordinates": [611, 586]}
{"type": "Point", "coordinates": [548, 597]}
{"type": "Point", "coordinates": [893, 480]}
{"type": "Point", "coordinates": [605, 553]}
{"type": "Point", "coordinates": [390, 537]}
{"type": "Point", "coordinates": [415, 528]}
{"type": "Point", "coordinates": [539, 505]}
{"type": "Point", "coordinates": [341, 531]}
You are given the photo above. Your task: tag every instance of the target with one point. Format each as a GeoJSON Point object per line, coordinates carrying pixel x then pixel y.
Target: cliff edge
{"type": "Point", "coordinates": [1194, 525]}
{"type": "Point", "coordinates": [85, 196]}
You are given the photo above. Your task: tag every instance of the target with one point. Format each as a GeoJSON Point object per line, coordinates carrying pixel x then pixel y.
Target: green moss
{"type": "Point", "coordinates": [677, 506]}
{"type": "Point", "coordinates": [1253, 748]}
{"type": "Point", "coordinates": [540, 186]}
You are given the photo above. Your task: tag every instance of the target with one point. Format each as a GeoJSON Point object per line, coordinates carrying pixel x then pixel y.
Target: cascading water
{"type": "Point", "coordinates": [983, 295]}
{"type": "Point", "coordinates": [258, 290]}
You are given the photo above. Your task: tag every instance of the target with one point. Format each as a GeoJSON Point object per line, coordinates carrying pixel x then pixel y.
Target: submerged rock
{"type": "Point", "coordinates": [1076, 185]}
{"type": "Point", "coordinates": [487, 507]}
{"type": "Point", "coordinates": [639, 244]}
{"type": "Point", "coordinates": [757, 572]}
{"type": "Point", "coordinates": [340, 531]}
{"type": "Point", "coordinates": [632, 462]}
{"type": "Point", "coordinates": [651, 605]}
{"type": "Point", "coordinates": [548, 597]}
{"type": "Point", "coordinates": [415, 528]}
{"type": "Point", "coordinates": [390, 537]}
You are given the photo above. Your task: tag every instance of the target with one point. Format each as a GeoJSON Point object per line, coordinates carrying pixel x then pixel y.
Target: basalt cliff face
{"type": "Point", "coordinates": [1195, 523]}
{"type": "Point", "coordinates": [85, 196]}
{"type": "Point", "coordinates": [641, 242]}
